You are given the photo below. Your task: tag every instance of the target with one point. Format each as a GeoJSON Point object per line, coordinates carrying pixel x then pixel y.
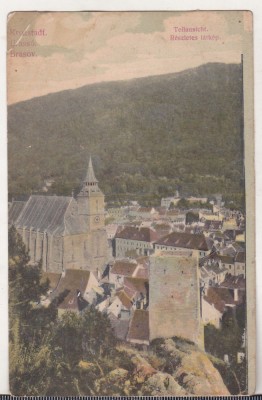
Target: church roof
{"type": "Point", "coordinates": [44, 213]}
{"type": "Point", "coordinates": [15, 210]}
{"type": "Point", "coordinates": [185, 240]}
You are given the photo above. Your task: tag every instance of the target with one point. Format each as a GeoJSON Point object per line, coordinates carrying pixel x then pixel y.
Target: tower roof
{"type": "Point", "coordinates": [90, 176]}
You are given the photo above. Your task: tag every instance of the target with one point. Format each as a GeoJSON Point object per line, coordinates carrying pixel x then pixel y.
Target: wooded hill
{"type": "Point", "coordinates": [147, 136]}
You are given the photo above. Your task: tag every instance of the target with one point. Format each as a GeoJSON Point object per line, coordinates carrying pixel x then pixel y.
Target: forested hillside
{"type": "Point", "coordinates": [148, 136]}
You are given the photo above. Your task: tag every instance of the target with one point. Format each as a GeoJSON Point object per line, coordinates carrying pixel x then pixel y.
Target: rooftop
{"type": "Point", "coordinates": [139, 326]}
{"type": "Point", "coordinates": [68, 287]}
{"type": "Point", "coordinates": [140, 234]}
{"type": "Point", "coordinates": [185, 240]}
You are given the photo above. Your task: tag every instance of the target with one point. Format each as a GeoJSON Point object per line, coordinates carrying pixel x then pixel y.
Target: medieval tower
{"type": "Point", "coordinates": [174, 298]}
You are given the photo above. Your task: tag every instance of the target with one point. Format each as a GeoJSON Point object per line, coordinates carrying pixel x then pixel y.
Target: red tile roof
{"type": "Point", "coordinates": [219, 297]}
{"type": "Point", "coordinates": [139, 326]}
{"type": "Point", "coordinates": [125, 300]}
{"type": "Point", "coordinates": [135, 285]}
{"type": "Point", "coordinates": [185, 240]}
{"type": "Point", "coordinates": [133, 233]}
{"type": "Point", "coordinates": [123, 267]}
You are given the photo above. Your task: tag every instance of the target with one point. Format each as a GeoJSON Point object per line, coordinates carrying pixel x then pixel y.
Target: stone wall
{"type": "Point", "coordinates": [174, 298]}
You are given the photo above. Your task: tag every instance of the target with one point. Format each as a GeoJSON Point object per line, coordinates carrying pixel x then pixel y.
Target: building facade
{"type": "Point", "coordinates": [66, 232]}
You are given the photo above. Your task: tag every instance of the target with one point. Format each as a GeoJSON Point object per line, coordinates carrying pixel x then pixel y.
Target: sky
{"type": "Point", "coordinates": [73, 49]}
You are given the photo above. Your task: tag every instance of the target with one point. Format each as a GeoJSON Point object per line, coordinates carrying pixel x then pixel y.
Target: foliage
{"type": "Point", "coordinates": [148, 137]}
{"type": "Point", "coordinates": [191, 217]}
{"type": "Point", "coordinates": [78, 354]}
{"type": "Point", "coordinates": [228, 340]}
{"type": "Point", "coordinates": [45, 350]}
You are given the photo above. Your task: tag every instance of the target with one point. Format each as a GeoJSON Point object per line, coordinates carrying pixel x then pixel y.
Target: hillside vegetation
{"type": "Point", "coordinates": [147, 136]}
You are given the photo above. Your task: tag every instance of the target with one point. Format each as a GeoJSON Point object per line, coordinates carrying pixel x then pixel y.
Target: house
{"type": "Point", "coordinates": [137, 289]}
{"type": "Point", "coordinates": [240, 264]}
{"type": "Point", "coordinates": [227, 262]}
{"type": "Point", "coordinates": [72, 290]}
{"type": "Point", "coordinates": [116, 212]}
{"type": "Point", "coordinates": [121, 269]}
{"type": "Point", "coordinates": [211, 313]}
{"type": "Point", "coordinates": [119, 304]}
{"type": "Point", "coordinates": [133, 242]}
{"type": "Point", "coordinates": [220, 299]}
{"type": "Point", "coordinates": [162, 229]}
{"type": "Point", "coordinates": [215, 302]}
{"type": "Point", "coordinates": [212, 225]}
{"type": "Point", "coordinates": [120, 326]}
{"type": "Point", "coordinates": [167, 201]}
{"type": "Point", "coordinates": [237, 285]}
{"type": "Point", "coordinates": [111, 230]}
{"type": "Point", "coordinates": [147, 213]}
{"type": "Point", "coordinates": [193, 199]}
{"type": "Point", "coordinates": [176, 217]}
{"type": "Point", "coordinates": [65, 232]}
{"type": "Point", "coordinates": [177, 241]}
{"type": "Point", "coordinates": [216, 273]}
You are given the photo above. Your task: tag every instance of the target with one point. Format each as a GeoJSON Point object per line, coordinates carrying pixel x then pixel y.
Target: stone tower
{"type": "Point", "coordinates": [174, 298]}
{"type": "Point", "coordinates": [90, 201]}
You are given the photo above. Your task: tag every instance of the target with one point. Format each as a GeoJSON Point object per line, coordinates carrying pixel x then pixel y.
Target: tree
{"type": "Point", "coordinates": [29, 325]}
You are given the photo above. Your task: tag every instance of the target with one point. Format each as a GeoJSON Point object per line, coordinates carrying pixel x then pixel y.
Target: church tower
{"type": "Point", "coordinates": [90, 200]}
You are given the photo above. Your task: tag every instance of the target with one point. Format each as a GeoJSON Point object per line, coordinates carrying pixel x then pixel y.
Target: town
{"type": "Point", "coordinates": [156, 272]}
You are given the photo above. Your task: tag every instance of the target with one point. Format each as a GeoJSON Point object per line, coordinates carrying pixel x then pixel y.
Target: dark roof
{"type": "Point", "coordinates": [139, 326]}
{"type": "Point", "coordinates": [234, 282]}
{"type": "Point", "coordinates": [185, 240]}
{"type": "Point", "coordinates": [215, 268]}
{"type": "Point", "coordinates": [15, 210]}
{"type": "Point", "coordinates": [133, 233]}
{"type": "Point", "coordinates": [73, 281]}
{"type": "Point", "coordinates": [226, 259]}
{"type": "Point", "coordinates": [240, 257]}
{"type": "Point", "coordinates": [45, 213]}
{"type": "Point", "coordinates": [229, 234]}
{"type": "Point", "coordinates": [123, 267]}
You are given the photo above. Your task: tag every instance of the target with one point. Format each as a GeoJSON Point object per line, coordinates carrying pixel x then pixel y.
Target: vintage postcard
{"type": "Point", "coordinates": [131, 203]}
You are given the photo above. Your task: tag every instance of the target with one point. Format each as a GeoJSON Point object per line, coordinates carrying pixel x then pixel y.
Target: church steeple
{"type": "Point", "coordinates": [90, 200]}
{"type": "Point", "coordinates": [90, 183]}
{"type": "Point", "coordinates": [90, 176]}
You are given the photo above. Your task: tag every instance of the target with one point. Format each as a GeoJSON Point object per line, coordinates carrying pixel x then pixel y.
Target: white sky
{"type": "Point", "coordinates": [84, 48]}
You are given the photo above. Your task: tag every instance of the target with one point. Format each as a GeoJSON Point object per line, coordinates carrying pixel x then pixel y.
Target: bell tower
{"type": "Point", "coordinates": [90, 200]}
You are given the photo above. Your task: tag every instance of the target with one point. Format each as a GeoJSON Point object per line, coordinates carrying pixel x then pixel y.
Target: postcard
{"type": "Point", "coordinates": [131, 203]}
